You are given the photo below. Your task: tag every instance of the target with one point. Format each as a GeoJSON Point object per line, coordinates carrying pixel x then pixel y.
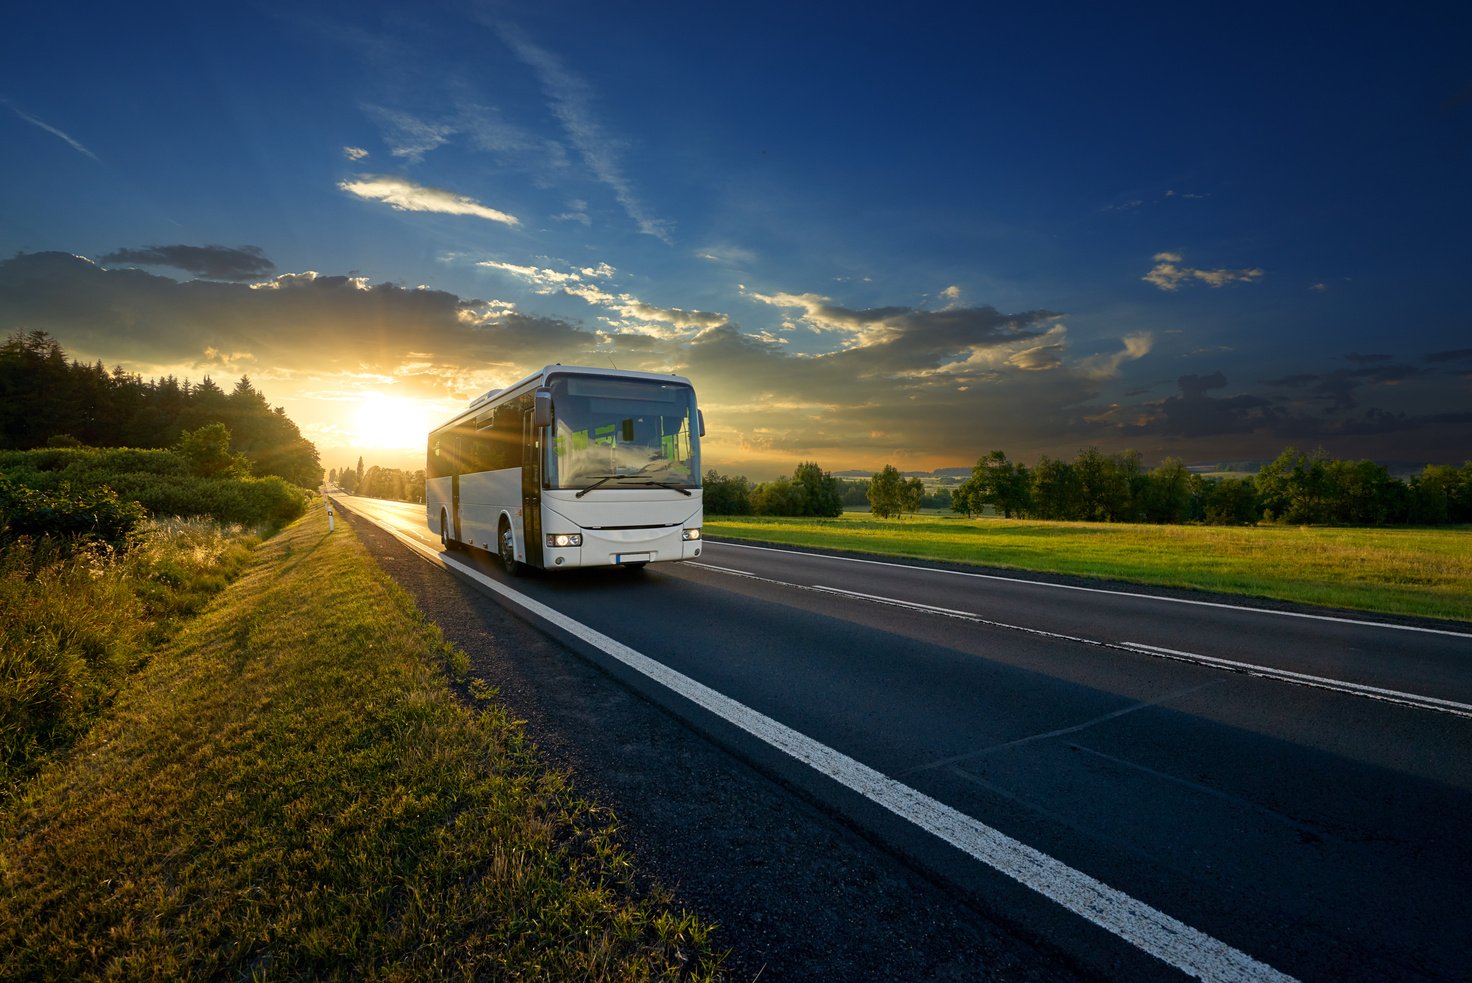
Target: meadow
{"type": "Point", "coordinates": [301, 783]}
{"type": "Point", "coordinates": [1415, 572]}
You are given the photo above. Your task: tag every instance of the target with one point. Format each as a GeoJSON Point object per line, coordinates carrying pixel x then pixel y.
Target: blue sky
{"type": "Point", "coordinates": [870, 235]}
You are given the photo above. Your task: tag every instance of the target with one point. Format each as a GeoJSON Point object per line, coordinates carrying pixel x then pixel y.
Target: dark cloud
{"type": "Point", "coordinates": [1455, 355]}
{"type": "Point", "coordinates": [297, 323]}
{"type": "Point", "coordinates": [210, 262]}
{"type": "Point", "coordinates": [1339, 388]}
{"type": "Point", "coordinates": [1194, 414]}
{"type": "Point", "coordinates": [1359, 359]}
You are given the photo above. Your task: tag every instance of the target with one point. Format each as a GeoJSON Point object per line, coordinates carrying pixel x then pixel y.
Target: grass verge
{"type": "Point", "coordinates": [1417, 572]}
{"type": "Point", "coordinates": [292, 790]}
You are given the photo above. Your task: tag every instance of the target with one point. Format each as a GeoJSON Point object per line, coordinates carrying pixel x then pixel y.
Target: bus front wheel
{"type": "Point", "coordinates": [507, 548]}
{"type": "Point", "coordinates": [446, 541]}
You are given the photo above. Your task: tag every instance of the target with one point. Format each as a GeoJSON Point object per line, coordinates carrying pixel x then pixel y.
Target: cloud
{"type": "Point", "coordinates": [408, 136]}
{"type": "Point", "coordinates": [1193, 414]}
{"type": "Point", "coordinates": [354, 153]}
{"type": "Point", "coordinates": [69, 140]}
{"type": "Point", "coordinates": [1107, 366]}
{"type": "Point", "coordinates": [925, 388]}
{"type": "Point", "coordinates": [1169, 276]}
{"type": "Point", "coordinates": [544, 280]}
{"type": "Point", "coordinates": [571, 102]}
{"type": "Point", "coordinates": [209, 262]}
{"type": "Point", "coordinates": [1338, 389]}
{"type": "Point", "coordinates": [406, 196]}
{"type": "Point", "coordinates": [727, 255]}
{"type": "Point", "coordinates": [1454, 355]}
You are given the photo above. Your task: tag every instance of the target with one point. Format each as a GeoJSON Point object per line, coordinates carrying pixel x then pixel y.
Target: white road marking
{"type": "Point", "coordinates": [1414, 700]}
{"type": "Point", "coordinates": [1102, 590]}
{"type": "Point", "coordinates": [1168, 939]}
{"type": "Point", "coordinates": [1303, 679]}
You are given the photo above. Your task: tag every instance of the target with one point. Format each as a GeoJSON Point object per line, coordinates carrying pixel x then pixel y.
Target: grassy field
{"type": "Point", "coordinates": [1419, 572]}
{"type": "Point", "coordinates": [291, 789]}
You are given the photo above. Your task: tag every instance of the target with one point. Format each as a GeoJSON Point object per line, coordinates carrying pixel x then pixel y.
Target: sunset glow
{"type": "Point", "coordinates": [910, 267]}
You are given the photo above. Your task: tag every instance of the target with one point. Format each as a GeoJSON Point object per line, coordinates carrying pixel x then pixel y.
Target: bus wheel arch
{"type": "Point", "coordinates": [447, 540]}
{"type": "Point", "coordinates": [506, 547]}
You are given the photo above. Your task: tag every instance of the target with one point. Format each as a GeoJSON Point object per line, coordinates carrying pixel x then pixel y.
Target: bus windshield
{"type": "Point", "coordinates": [622, 433]}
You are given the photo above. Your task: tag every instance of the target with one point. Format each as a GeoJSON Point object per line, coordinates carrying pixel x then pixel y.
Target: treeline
{"type": "Point", "coordinates": [103, 494]}
{"type": "Point", "coordinates": [394, 484]}
{"type": "Point", "coordinates": [1298, 488]}
{"type": "Point", "coordinates": [47, 399]}
{"type": "Point", "coordinates": [810, 491]}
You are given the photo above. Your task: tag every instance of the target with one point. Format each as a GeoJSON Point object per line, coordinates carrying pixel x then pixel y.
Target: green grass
{"type": "Point", "coordinates": [1418, 572]}
{"type": "Point", "coordinates": [76, 618]}
{"type": "Point", "coordinates": [292, 790]}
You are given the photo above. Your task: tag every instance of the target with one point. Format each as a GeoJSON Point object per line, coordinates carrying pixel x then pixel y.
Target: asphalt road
{"type": "Point", "coordinates": [1070, 779]}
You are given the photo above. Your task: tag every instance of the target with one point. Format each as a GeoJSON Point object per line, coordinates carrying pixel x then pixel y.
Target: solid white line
{"type": "Point", "coordinates": [1102, 590]}
{"type": "Point", "coordinates": [1167, 939]}
{"type": "Point", "coordinates": [1322, 682]}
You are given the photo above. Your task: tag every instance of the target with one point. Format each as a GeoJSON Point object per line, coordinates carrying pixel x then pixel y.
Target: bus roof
{"type": "Point", "coordinates": [539, 378]}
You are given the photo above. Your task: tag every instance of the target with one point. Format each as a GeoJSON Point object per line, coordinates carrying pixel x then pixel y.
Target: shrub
{"type": "Point", "coordinates": [90, 514]}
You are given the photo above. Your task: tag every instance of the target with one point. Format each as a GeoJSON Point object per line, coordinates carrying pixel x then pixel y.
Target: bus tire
{"type": "Point", "coordinates": [448, 543]}
{"type": "Point", "coordinates": [506, 548]}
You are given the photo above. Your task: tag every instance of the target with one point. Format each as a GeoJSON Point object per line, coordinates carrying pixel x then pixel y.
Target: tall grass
{"type": "Point", "coordinates": [76, 619]}
{"type": "Point", "coordinates": [1419, 572]}
{"type": "Point", "coordinates": [291, 790]}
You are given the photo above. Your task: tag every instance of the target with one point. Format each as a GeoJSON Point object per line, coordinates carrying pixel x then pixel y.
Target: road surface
{"type": "Point", "coordinates": [1150, 786]}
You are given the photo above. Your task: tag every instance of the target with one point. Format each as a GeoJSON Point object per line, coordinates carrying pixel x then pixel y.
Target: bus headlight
{"type": "Point", "coordinates": [564, 539]}
{"type": "Point", "coordinates": [690, 535]}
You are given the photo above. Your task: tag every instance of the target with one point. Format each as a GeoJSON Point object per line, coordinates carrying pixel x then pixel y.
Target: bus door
{"type": "Point", "coordinates": [531, 487]}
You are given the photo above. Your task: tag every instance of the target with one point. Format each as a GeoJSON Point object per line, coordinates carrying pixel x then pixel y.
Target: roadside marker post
{"type": "Point", "coordinates": [331, 524]}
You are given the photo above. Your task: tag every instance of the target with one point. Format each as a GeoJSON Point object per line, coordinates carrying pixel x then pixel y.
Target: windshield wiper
{"type": "Point", "coordinates": [665, 484]}
{"type": "Point", "coordinates": [603, 479]}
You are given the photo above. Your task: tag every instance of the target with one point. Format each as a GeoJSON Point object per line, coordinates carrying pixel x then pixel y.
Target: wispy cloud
{"type": "Point", "coordinates": [71, 141]}
{"type": "Point", "coordinates": [1169, 275]}
{"type": "Point", "coordinates": [571, 102]}
{"type": "Point", "coordinates": [1107, 366]}
{"type": "Point", "coordinates": [406, 196]}
{"type": "Point", "coordinates": [409, 136]}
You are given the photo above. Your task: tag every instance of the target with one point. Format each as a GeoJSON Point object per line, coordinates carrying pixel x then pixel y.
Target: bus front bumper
{"type": "Point", "coordinates": [614, 547]}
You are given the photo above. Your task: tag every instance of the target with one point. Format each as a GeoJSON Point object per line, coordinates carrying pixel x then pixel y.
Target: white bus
{"type": "Point", "coordinates": [571, 467]}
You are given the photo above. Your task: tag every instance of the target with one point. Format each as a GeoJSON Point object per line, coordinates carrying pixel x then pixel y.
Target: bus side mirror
{"type": "Point", "coordinates": [700, 415]}
{"type": "Point", "coordinates": [542, 408]}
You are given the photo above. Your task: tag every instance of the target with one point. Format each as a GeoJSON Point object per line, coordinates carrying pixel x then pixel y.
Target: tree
{"type": "Point", "coordinates": [887, 493]}
{"type": "Point", "coordinates": [914, 495]}
{"type": "Point", "coordinates": [726, 494]}
{"type": "Point", "coordinates": [821, 494]}
{"type": "Point", "coordinates": [1292, 488]}
{"type": "Point", "coordinates": [994, 481]}
{"type": "Point", "coordinates": [781, 497]}
{"type": "Point", "coordinates": [1056, 491]}
{"type": "Point", "coordinates": [1170, 490]}
{"type": "Point", "coordinates": [207, 452]}
{"type": "Point", "coordinates": [1230, 502]}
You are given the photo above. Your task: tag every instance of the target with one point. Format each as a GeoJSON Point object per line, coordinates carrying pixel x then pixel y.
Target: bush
{"type": "Point", "coordinates": [92, 514]}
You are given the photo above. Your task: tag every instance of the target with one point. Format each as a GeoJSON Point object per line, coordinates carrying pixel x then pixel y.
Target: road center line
{"type": "Point", "coordinates": [1413, 700]}
{"type": "Point", "coordinates": [1303, 679]}
{"type": "Point", "coordinates": [1167, 939]}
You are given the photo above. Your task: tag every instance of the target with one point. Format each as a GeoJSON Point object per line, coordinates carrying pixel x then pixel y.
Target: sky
{"type": "Point", "coordinates": [902, 234]}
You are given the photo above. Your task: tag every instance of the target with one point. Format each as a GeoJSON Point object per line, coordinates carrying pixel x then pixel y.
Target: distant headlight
{"type": "Point", "coordinates": [690, 535]}
{"type": "Point", "coordinates": [564, 539]}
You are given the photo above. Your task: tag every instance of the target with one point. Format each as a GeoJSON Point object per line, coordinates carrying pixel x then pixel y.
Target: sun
{"type": "Point", "coordinates": [391, 422]}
